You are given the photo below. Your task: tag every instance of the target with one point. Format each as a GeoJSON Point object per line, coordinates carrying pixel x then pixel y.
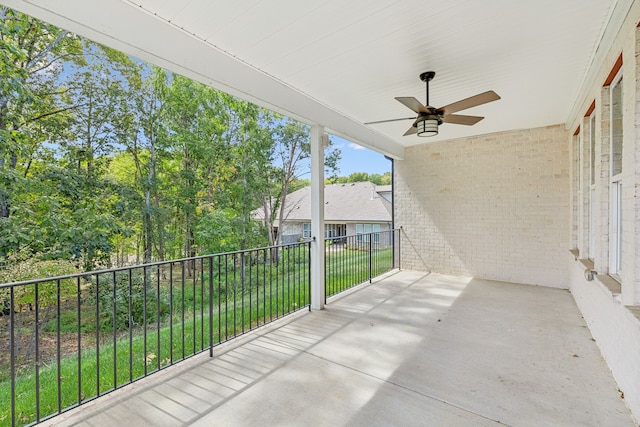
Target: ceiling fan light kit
{"type": "Point", "coordinates": [430, 118]}
{"type": "Point", "coordinates": [427, 127]}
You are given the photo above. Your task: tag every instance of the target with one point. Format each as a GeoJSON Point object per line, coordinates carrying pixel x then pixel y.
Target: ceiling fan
{"type": "Point", "coordinates": [429, 118]}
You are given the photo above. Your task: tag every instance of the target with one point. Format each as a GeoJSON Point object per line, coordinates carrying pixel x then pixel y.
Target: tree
{"type": "Point", "coordinates": [292, 149]}
{"type": "Point", "coordinates": [31, 56]}
{"type": "Point", "coordinates": [384, 179]}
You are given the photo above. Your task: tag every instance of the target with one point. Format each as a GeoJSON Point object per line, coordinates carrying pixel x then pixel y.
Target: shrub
{"type": "Point", "coordinates": [126, 294]}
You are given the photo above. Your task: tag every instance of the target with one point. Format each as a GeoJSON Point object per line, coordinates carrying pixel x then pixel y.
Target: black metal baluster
{"type": "Point", "coordinates": [219, 300]}
{"type": "Point", "coordinates": [226, 300]}
{"type": "Point", "coordinates": [298, 278]}
{"type": "Point", "coordinates": [97, 335]}
{"type": "Point", "coordinates": [281, 288]}
{"type": "Point", "coordinates": [171, 313]}
{"type": "Point", "coordinates": [271, 259]}
{"type": "Point", "coordinates": [115, 336]}
{"type": "Point", "coordinates": [130, 322]}
{"type": "Point", "coordinates": [370, 257]}
{"type": "Point", "coordinates": [264, 286]}
{"type": "Point", "coordinates": [202, 303]}
{"type": "Point", "coordinates": [242, 285]}
{"type": "Point", "coordinates": [235, 323]}
{"type": "Point", "coordinates": [37, 348]}
{"type": "Point", "coordinates": [58, 361]}
{"type": "Point", "coordinates": [158, 315]}
{"type": "Point", "coordinates": [144, 319]}
{"type": "Point", "coordinates": [250, 284]}
{"type": "Point", "coordinates": [210, 307]}
{"type": "Point", "coordinates": [183, 279]}
{"type": "Point", "coordinates": [193, 287]}
{"type": "Point", "coordinates": [12, 349]}
{"type": "Point", "coordinates": [309, 273]}
{"type": "Point", "coordinates": [79, 326]}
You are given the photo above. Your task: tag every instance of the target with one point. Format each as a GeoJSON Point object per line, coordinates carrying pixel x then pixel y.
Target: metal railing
{"type": "Point", "coordinates": [71, 339]}
{"type": "Point", "coordinates": [352, 260]}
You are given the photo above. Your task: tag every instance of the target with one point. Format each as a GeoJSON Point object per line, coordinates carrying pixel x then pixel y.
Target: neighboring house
{"type": "Point", "coordinates": [356, 208]}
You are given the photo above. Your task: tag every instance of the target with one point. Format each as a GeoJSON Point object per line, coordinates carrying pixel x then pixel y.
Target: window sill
{"type": "Point", "coordinates": [587, 263]}
{"type": "Point", "coordinates": [608, 283]}
{"type": "Point", "coordinates": [612, 285]}
{"type": "Point", "coordinates": [635, 310]}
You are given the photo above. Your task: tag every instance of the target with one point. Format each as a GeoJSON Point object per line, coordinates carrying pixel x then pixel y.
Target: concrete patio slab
{"type": "Point", "coordinates": [409, 349]}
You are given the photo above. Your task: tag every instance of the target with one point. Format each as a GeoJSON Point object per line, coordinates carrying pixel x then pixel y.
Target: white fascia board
{"type": "Point", "coordinates": [132, 30]}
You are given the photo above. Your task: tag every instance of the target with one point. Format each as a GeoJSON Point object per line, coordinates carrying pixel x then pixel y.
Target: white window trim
{"type": "Point", "coordinates": [592, 186]}
{"type": "Point", "coordinates": [579, 187]}
{"type": "Point", "coordinates": [363, 234]}
{"type": "Point", "coordinates": [615, 193]}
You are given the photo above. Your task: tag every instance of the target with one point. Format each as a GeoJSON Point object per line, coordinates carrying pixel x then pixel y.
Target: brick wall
{"type": "Point", "coordinates": [493, 206]}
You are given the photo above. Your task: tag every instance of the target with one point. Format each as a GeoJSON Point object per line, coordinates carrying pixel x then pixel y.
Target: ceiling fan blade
{"type": "Point", "coordinates": [460, 119]}
{"type": "Point", "coordinates": [411, 131]}
{"type": "Point", "coordinates": [473, 101]}
{"type": "Point", "coordinates": [392, 120]}
{"type": "Point", "coordinates": [411, 102]}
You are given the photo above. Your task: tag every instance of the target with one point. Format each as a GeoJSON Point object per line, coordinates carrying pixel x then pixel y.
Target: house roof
{"type": "Point", "coordinates": [358, 201]}
{"type": "Point", "coordinates": [341, 63]}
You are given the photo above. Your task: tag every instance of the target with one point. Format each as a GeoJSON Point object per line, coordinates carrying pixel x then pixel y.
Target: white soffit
{"type": "Point", "coordinates": [341, 63]}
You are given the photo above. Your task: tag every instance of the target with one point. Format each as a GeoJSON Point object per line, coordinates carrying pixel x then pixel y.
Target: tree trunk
{"type": "Point", "coordinates": [148, 226]}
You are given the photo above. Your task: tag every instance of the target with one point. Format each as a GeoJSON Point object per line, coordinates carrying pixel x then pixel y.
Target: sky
{"type": "Point", "coordinates": [356, 158]}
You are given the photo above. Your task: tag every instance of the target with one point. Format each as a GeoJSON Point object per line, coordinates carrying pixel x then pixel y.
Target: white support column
{"type": "Point", "coordinates": [317, 218]}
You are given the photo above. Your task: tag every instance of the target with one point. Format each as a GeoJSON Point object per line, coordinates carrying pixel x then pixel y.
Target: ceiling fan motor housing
{"type": "Point", "coordinates": [431, 115]}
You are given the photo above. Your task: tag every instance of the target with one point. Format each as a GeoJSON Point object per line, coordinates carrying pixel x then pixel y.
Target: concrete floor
{"type": "Point", "coordinates": [410, 349]}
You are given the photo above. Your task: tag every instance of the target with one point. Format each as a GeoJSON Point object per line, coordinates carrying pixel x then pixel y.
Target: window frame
{"type": "Point", "coordinates": [592, 186]}
{"type": "Point", "coordinates": [362, 235]}
{"type": "Point", "coordinates": [615, 181]}
{"type": "Point", "coordinates": [306, 230]}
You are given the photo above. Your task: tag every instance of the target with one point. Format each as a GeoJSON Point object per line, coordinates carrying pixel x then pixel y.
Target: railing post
{"type": "Point", "coordinates": [370, 257]}
{"type": "Point", "coordinates": [393, 247]}
{"type": "Point", "coordinates": [399, 250]}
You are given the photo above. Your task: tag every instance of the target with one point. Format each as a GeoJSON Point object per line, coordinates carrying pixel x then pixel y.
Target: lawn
{"type": "Point", "coordinates": [186, 312]}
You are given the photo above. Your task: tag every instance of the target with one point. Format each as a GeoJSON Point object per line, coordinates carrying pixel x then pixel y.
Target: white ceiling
{"type": "Point", "coordinates": [340, 63]}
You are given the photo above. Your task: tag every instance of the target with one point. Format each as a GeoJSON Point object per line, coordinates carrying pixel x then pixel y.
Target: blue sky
{"type": "Point", "coordinates": [356, 158]}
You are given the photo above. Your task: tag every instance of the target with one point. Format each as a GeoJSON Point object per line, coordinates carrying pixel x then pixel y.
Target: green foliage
{"type": "Point", "coordinates": [124, 294]}
{"type": "Point", "coordinates": [376, 178]}
{"type": "Point", "coordinates": [106, 160]}
{"type": "Point", "coordinates": [221, 231]}
{"type": "Point", "coordinates": [24, 296]}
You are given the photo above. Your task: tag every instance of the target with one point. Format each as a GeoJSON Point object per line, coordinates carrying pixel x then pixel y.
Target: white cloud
{"type": "Point", "coordinates": [356, 146]}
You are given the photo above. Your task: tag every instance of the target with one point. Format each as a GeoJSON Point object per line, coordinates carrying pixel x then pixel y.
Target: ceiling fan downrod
{"type": "Point", "coordinates": [426, 77]}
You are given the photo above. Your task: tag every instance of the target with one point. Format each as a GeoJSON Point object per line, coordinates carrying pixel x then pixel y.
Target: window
{"type": "Point", "coordinates": [306, 230]}
{"type": "Point", "coordinates": [331, 230]}
{"type": "Point", "coordinates": [615, 176]}
{"type": "Point", "coordinates": [592, 184]}
{"type": "Point", "coordinates": [363, 231]}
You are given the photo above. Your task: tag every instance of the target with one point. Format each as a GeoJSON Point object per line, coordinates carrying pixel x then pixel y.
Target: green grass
{"type": "Point", "coordinates": [346, 268]}
{"type": "Point", "coordinates": [269, 292]}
